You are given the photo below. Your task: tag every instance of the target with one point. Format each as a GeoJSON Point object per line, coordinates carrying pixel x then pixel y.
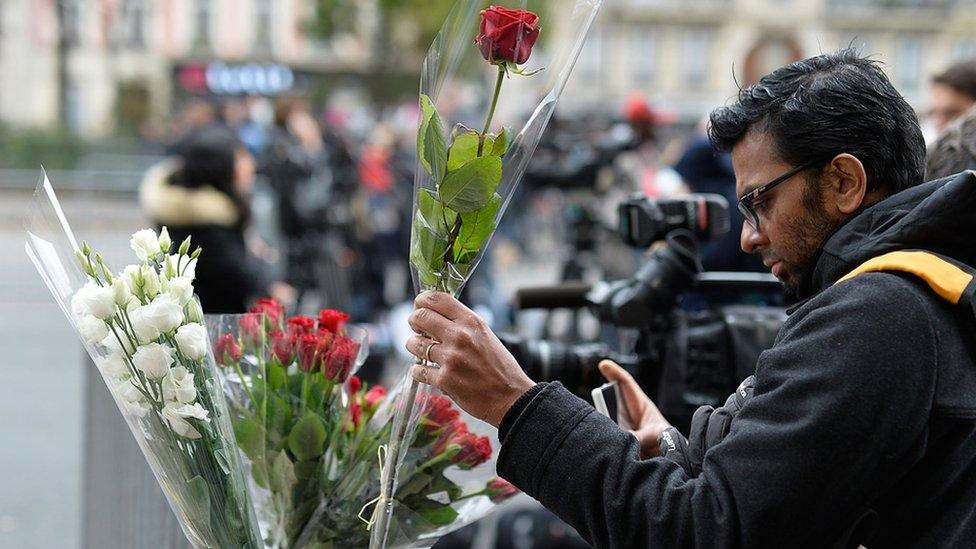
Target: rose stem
{"type": "Point", "coordinates": [491, 111]}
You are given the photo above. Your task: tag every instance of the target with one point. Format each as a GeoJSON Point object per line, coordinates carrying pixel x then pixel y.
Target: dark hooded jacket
{"type": "Point", "coordinates": [862, 429]}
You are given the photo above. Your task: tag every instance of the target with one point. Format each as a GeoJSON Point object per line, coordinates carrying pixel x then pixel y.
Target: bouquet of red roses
{"type": "Point", "coordinates": [310, 430]}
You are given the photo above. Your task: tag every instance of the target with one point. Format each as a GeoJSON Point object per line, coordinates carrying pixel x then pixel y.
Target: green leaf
{"type": "Point", "coordinates": [436, 216]}
{"type": "Point", "coordinates": [431, 143]}
{"type": "Point", "coordinates": [476, 228]}
{"type": "Point", "coordinates": [440, 516]}
{"type": "Point", "coordinates": [282, 474]}
{"type": "Point", "coordinates": [465, 149]}
{"type": "Point", "coordinates": [250, 437]}
{"type": "Point", "coordinates": [470, 187]}
{"type": "Point", "coordinates": [417, 482]}
{"type": "Point", "coordinates": [427, 249]}
{"type": "Point", "coordinates": [502, 141]}
{"type": "Point", "coordinates": [258, 473]}
{"type": "Point", "coordinates": [307, 438]}
{"type": "Point", "coordinates": [199, 492]}
{"type": "Point", "coordinates": [277, 376]}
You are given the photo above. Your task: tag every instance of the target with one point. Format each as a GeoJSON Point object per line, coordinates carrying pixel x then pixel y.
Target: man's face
{"type": "Point", "coordinates": [946, 104]}
{"type": "Point", "coordinates": [793, 220]}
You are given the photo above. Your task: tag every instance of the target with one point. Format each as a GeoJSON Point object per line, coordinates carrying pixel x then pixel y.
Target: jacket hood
{"type": "Point", "coordinates": [176, 206]}
{"type": "Point", "coordinates": [939, 217]}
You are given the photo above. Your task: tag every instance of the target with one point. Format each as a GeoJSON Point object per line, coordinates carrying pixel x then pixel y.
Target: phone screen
{"type": "Point", "coordinates": [607, 401]}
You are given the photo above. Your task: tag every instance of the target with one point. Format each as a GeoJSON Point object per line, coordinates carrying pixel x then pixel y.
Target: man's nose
{"type": "Point", "coordinates": [750, 239]}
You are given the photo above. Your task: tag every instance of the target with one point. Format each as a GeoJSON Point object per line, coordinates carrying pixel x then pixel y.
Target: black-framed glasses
{"type": "Point", "coordinates": [747, 202]}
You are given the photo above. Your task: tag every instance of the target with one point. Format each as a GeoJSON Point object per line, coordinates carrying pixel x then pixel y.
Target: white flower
{"type": "Point", "coordinates": [113, 366]}
{"type": "Point", "coordinates": [178, 386]}
{"type": "Point", "coordinates": [192, 340]}
{"type": "Point", "coordinates": [114, 347]}
{"type": "Point", "coordinates": [132, 398]}
{"type": "Point", "coordinates": [187, 267]}
{"type": "Point", "coordinates": [92, 329]}
{"type": "Point", "coordinates": [145, 330]}
{"type": "Point", "coordinates": [120, 291]}
{"type": "Point", "coordinates": [164, 313]}
{"type": "Point", "coordinates": [145, 244]}
{"type": "Point", "coordinates": [177, 414]}
{"type": "Point", "coordinates": [150, 282]}
{"type": "Point", "coordinates": [181, 288]}
{"type": "Point", "coordinates": [153, 360]}
{"type": "Point", "coordinates": [132, 276]}
{"type": "Point", "coordinates": [194, 313]}
{"type": "Point", "coordinates": [94, 300]}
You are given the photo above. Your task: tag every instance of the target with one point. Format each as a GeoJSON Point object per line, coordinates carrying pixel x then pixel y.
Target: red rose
{"type": "Point", "coordinates": [354, 385]}
{"type": "Point", "coordinates": [374, 396]}
{"type": "Point", "coordinates": [438, 413]}
{"type": "Point", "coordinates": [332, 320]}
{"type": "Point", "coordinates": [251, 329]}
{"type": "Point", "coordinates": [507, 35]}
{"type": "Point", "coordinates": [308, 352]}
{"type": "Point", "coordinates": [226, 350]}
{"type": "Point", "coordinates": [499, 490]}
{"type": "Point", "coordinates": [283, 347]}
{"type": "Point", "coordinates": [474, 451]}
{"type": "Point", "coordinates": [300, 325]}
{"type": "Point", "coordinates": [340, 358]}
{"type": "Point", "coordinates": [271, 308]}
{"type": "Point", "coordinates": [452, 433]}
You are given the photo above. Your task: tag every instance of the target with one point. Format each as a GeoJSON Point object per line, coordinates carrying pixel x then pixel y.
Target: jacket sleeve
{"type": "Point", "coordinates": [839, 414]}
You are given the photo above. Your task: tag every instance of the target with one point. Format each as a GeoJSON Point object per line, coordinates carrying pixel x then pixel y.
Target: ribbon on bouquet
{"type": "Point", "coordinates": [379, 500]}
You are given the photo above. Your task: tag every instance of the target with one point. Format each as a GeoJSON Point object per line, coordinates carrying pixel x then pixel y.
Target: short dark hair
{"type": "Point", "coordinates": [960, 77]}
{"type": "Point", "coordinates": [822, 106]}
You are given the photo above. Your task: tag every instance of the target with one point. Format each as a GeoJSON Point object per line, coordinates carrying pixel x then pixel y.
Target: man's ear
{"type": "Point", "coordinates": [848, 184]}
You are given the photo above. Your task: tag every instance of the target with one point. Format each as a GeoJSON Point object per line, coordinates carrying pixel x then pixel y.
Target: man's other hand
{"type": "Point", "coordinates": [649, 422]}
{"type": "Point", "coordinates": [472, 366]}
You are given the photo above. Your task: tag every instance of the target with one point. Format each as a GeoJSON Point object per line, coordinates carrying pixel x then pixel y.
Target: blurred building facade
{"type": "Point", "coordinates": [689, 55]}
{"type": "Point", "coordinates": [123, 60]}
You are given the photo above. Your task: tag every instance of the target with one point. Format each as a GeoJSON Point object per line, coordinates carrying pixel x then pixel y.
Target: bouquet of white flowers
{"type": "Point", "coordinates": [143, 328]}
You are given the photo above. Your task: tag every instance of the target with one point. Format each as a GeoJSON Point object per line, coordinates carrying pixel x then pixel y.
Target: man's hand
{"type": "Point", "coordinates": [649, 422]}
{"type": "Point", "coordinates": [475, 369]}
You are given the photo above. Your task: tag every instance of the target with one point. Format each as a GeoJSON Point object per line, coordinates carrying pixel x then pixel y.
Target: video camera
{"type": "Point", "coordinates": [693, 348]}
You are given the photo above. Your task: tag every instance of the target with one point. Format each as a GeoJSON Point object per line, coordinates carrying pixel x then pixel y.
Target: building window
{"type": "Point", "coordinates": [908, 72]}
{"type": "Point", "coordinates": [71, 21]}
{"type": "Point", "coordinates": [695, 59]}
{"type": "Point", "coordinates": [591, 57]}
{"type": "Point", "coordinates": [201, 23]}
{"type": "Point", "coordinates": [644, 53]}
{"type": "Point", "coordinates": [262, 24]}
{"type": "Point", "coordinates": [134, 14]}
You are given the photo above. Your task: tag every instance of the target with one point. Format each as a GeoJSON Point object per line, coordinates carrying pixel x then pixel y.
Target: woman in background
{"type": "Point", "coordinates": [205, 192]}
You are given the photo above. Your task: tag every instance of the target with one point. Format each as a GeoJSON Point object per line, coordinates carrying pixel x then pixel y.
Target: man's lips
{"type": "Point", "coordinates": [774, 265]}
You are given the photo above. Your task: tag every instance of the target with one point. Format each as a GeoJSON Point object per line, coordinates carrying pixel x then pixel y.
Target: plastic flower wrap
{"type": "Point", "coordinates": [298, 414]}
{"type": "Point", "coordinates": [142, 326]}
{"type": "Point", "coordinates": [466, 174]}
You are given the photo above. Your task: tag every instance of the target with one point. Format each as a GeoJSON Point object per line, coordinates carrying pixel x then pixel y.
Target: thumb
{"type": "Point", "coordinates": [628, 386]}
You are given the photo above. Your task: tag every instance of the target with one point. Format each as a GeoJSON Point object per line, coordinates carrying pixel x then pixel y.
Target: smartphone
{"type": "Point", "coordinates": [608, 401]}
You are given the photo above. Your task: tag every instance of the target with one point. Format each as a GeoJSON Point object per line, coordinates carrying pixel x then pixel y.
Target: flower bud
{"type": "Point", "coordinates": [85, 248]}
{"type": "Point", "coordinates": [184, 246]}
{"type": "Point", "coordinates": [194, 313]}
{"type": "Point", "coordinates": [150, 282]}
{"type": "Point", "coordinates": [165, 243]}
{"type": "Point", "coordinates": [120, 292]}
{"type": "Point", "coordinates": [196, 253]}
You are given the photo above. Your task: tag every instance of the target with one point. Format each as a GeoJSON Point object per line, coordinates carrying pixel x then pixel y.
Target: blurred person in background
{"type": "Point", "coordinates": [204, 192]}
{"type": "Point", "coordinates": [235, 114]}
{"type": "Point", "coordinates": [296, 163]}
{"type": "Point", "coordinates": [952, 93]}
{"type": "Point", "coordinates": [706, 170]}
{"type": "Point", "coordinates": [955, 149]}
{"type": "Point", "coordinates": [198, 114]}
{"type": "Point", "coordinates": [642, 164]}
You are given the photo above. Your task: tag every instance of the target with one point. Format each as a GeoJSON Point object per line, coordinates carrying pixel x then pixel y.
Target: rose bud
{"type": "Point", "coordinates": [271, 308]}
{"type": "Point", "coordinates": [226, 350]}
{"type": "Point", "coordinates": [499, 490]}
{"type": "Point", "coordinates": [283, 347]}
{"type": "Point", "coordinates": [507, 35]}
{"type": "Point", "coordinates": [300, 325]}
{"type": "Point", "coordinates": [332, 320]}
{"type": "Point", "coordinates": [251, 329]}
{"type": "Point", "coordinates": [354, 385]}
{"type": "Point", "coordinates": [374, 397]}
{"type": "Point", "coordinates": [438, 413]}
{"type": "Point", "coordinates": [356, 415]}
{"type": "Point", "coordinates": [474, 451]}
{"type": "Point", "coordinates": [308, 352]}
{"type": "Point", "coordinates": [340, 358]}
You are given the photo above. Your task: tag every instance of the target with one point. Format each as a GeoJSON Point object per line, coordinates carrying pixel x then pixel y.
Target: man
{"type": "Point", "coordinates": [861, 426]}
{"type": "Point", "coordinates": [955, 150]}
{"type": "Point", "coordinates": [953, 92]}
